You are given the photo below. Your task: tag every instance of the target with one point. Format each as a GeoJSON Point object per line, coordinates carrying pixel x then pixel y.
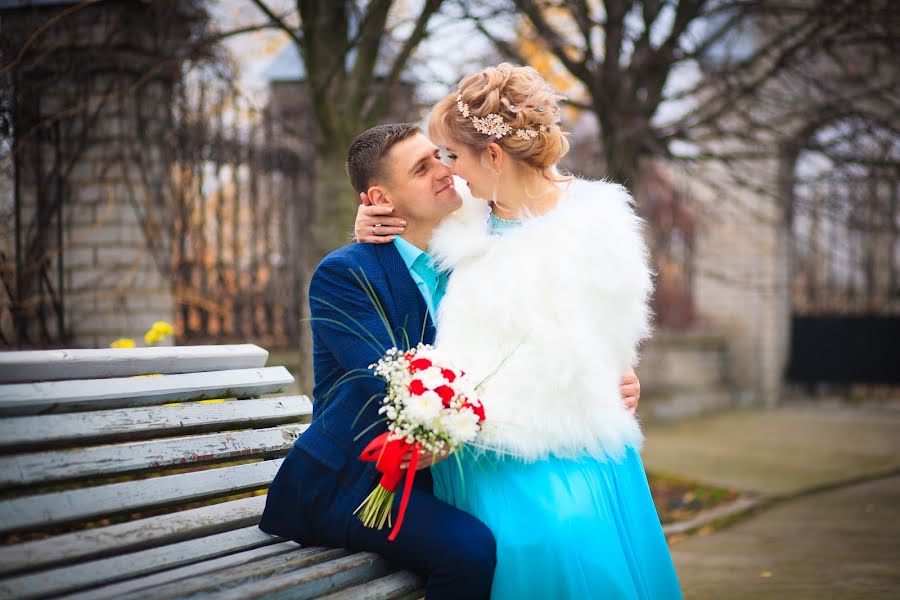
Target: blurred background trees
{"type": "Point", "coordinates": [183, 160]}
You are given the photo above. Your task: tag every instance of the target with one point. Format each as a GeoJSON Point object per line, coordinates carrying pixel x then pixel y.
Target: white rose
{"type": "Point", "coordinates": [461, 425]}
{"type": "Point", "coordinates": [424, 408]}
{"type": "Point", "coordinates": [431, 377]}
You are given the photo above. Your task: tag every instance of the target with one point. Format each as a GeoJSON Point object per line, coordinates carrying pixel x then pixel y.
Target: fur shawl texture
{"type": "Point", "coordinates": [551, 315]}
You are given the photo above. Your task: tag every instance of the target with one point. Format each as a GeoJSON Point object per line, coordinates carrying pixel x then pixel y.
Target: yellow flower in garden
{"type": "Point", "coordinates": [123, 343]}
{"type": "Point", "coordinates": [158, 332]}
{"type": "Point", "coordinates": [163, 328]}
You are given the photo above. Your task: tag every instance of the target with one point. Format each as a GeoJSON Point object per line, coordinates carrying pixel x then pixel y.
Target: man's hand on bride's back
{"type": "Point", "coordinates": [374, 224]}
{"type": "Point", "coordinates": [630, 388]}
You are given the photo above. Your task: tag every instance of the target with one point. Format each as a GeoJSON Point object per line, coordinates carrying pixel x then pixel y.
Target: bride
{"type": "Point", "coordinates": [551, 282]}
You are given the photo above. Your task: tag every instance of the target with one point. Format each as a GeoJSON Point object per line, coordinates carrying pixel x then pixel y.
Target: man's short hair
{"type": "Point", "coordinates": [365, 158]}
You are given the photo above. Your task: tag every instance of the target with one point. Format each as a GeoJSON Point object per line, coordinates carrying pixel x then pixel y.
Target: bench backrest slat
{"type": "Point", "coordinates": [73, 505]}
{"type": "Point", "coordinates": [144, 533]}
{"type": "Point", "coordinates": [49, 431]}
{"type": "Point", "coordinates": [115, 568]}
{"type": "Point", "coordinates": [20, 399]}
{"type": "Point", "coordinates": [52, 365]}
{"type": "Point", "coordinates": [130, 457]}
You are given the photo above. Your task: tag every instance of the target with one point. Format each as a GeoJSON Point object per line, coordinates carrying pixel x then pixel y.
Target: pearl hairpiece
{"type": "Point", "coordinates": [493, 124]}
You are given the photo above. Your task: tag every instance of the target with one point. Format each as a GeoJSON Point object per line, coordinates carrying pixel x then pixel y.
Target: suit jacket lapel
{"type": "Point", "coordinates": [408, 306]}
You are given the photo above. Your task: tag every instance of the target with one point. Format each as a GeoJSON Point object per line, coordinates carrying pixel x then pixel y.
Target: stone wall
{"type": "Point", "coordinates": [103, 79]}
{"type": "Point", "coordinates": [740, 285]}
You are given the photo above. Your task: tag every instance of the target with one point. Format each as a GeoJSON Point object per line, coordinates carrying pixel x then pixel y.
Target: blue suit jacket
{"type": "Point", "coordinates": [322, 481]}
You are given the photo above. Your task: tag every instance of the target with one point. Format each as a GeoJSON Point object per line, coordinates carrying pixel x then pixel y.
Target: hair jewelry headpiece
{"type": "Point", "coordinates": [493, 124]}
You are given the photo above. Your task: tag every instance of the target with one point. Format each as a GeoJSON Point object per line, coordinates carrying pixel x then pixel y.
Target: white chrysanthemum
{"type": "Point", "coordinates": [424, 408]}
{"type": "Point", "coordinates": [431, 377]}
{"type": "Point", "coordinates": [465, 387]}
{"type": "Point", "coordinates": [461, 425]}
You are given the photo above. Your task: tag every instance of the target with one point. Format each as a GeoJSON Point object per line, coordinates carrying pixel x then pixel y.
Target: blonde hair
{"type": "Point", "coordinates": [522, 98]}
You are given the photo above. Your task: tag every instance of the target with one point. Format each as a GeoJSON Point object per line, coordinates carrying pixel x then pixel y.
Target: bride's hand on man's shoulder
{"type": "Point", "coordinates": [630, 388]}
{"type": "Point", "coordinates": [374, 224]}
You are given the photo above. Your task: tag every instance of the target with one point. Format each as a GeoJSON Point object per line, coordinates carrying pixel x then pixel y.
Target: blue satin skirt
{"type": "Point", "coordinates": [565, 528]}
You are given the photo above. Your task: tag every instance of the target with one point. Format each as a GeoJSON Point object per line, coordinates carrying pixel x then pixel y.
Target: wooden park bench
{"type": "Point", "coordinates": [125, 487]}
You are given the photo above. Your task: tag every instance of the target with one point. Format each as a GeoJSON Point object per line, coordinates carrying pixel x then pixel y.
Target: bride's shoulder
{"type": "Point", "coordinates": [597, 204]}
{"type": "Point", "coordinates": [597, 195]}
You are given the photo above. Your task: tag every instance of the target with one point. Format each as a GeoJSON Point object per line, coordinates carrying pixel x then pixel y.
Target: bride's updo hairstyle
{"type": "Point", "coordinates": [514, 102]}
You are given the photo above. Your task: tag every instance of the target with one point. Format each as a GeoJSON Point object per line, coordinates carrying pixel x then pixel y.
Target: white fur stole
{"type": "Point", "coordinates": [555, 310]}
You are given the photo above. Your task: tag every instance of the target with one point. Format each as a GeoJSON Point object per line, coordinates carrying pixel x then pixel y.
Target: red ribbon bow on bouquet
{"type": "Point", "coordinates": [387, 452]}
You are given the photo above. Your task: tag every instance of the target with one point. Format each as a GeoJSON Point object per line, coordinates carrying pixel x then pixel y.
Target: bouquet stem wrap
{"type": "Point", "coordinates": [387, 451]}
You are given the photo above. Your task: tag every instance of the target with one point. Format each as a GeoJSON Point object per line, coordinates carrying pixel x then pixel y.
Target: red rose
{"type": "Point", "coordinates": [416, 387]}
{"type": "Point", "coordinates": [478, 409]}
{"type": "Point", "coordinates": [448, 374]}
{"type": "Point", "coordinates": [419, 364]}
{"type": "Point", "coordinates": [446, 393]}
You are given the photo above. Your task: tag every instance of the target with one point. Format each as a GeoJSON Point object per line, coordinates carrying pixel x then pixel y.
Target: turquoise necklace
{"type": "Point", "coordinates": [499, 224]}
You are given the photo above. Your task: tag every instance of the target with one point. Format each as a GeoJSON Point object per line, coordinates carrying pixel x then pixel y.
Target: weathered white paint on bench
{"type": "Point", "coordinates": [106, 424]}
{"type": "Point", "coordinates": [401, 584]}
{"type": "Point", "coordinates": [145, 422]}
{"type": "Point", "coordinates": [86, 503]}
{"type": "Point", "coordinates": [54, 365]}
{"type": "Point", "coordinates": [148, 584]}
{"type": "Point", "coordinates": [19, 399]}
{"type": "Point", "coordinates": [75, 577]}
{"type": "Point", "coordinates": [130, 457]}
{"type": "Point", "coordinates": [313, 581]}
{"type": "Point", "coordinates": [257, 570]}
{"type": "Point", "coordinates": [131, 536]}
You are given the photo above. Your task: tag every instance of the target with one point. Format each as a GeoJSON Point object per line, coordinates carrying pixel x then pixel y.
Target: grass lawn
{"type": "Point", "coordinates": [680, 499]}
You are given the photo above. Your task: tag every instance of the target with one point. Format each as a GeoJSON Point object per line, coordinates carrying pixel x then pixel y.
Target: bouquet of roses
{"type": "Point", "coordinates": [429, 405]}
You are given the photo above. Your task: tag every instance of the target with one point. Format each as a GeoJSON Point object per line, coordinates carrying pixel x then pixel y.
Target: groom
{"type": "Point", "coordinates": [322, 481]}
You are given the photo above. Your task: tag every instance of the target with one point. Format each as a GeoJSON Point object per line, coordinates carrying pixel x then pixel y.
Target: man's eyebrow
{"type": "Point", "coordinates": [415, 167]}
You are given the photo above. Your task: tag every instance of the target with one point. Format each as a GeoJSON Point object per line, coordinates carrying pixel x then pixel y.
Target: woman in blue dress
{"type": "Point", "coordinates": [546, 306]}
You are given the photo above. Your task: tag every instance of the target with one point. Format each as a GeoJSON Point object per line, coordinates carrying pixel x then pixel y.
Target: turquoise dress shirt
{"type": "Point", "coordinates": [431, 282]}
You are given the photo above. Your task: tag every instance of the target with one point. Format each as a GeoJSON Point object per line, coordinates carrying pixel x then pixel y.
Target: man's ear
{"type": "Point", "coordinates": [495, 156]}
{"type": "Point", "coordinates": [378, 197]}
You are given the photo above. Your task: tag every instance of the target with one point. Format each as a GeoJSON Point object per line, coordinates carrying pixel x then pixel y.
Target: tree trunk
{"type": "Point", "coordinates": [334, 203]}
{"type": "Point", "coordinates": [328, 226]}
{"type": "Point", "coordinates": [622, 153]}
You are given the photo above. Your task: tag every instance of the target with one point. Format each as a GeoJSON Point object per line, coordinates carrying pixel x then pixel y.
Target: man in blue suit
{"type": "Point", "coordinates": [359, 296]}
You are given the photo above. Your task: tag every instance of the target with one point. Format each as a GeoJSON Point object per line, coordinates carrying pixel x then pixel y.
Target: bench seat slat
{"type": "Point", "coordinates": [19, 399]}
{"type": "Point", "coordinates": [119, 590]}
{"type": "Point", "coordinates": [251, 571]}
{"type": "Point", "coordinates": [54, 365]}
{"type": "Point", "coordinates": [61, 507]}
{"type": "Point", "coordinates": [20, 433]}
{"type": "Point", "coordinates": [130, 457]}
{"type": "Point", "coordinates": [131, 536]}
{"type": "Point", "coordinates": [401, 585]}
{"type": "Point", "coordinates": [115, 568]}
{"type": "Point", "coordinates": [314, 581]}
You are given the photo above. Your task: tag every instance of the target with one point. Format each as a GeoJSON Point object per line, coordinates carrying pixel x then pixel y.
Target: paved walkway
{"type": "Point", "coordinates": [839, 544]}
{"type": "Point", "coordinates": [843, 542]}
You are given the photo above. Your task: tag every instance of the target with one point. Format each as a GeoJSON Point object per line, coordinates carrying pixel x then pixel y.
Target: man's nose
{"type": "Point", "coordinates": [443, 171]}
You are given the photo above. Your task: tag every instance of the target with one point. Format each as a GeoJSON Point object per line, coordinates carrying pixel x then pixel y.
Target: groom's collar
{"type": "Point", "coordinates": [408, 251]}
